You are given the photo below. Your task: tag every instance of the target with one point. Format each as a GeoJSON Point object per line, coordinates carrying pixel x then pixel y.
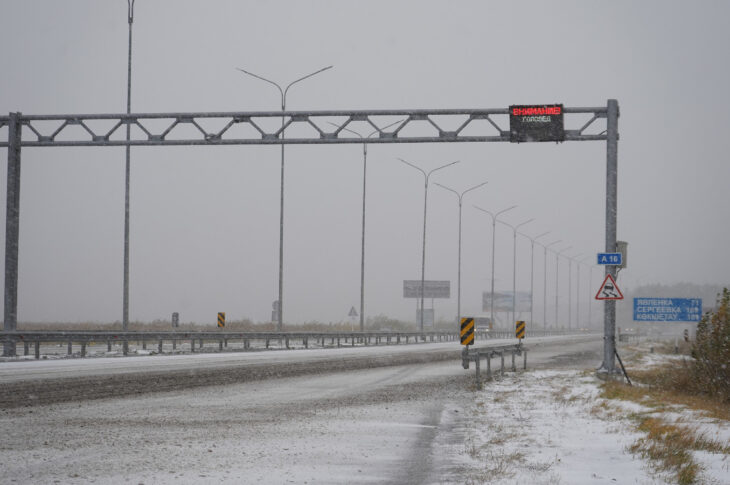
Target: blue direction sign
{"type": "Point", "coordinates": [667, 309]}
{"type": "Point", "coordinates": [614, 259]}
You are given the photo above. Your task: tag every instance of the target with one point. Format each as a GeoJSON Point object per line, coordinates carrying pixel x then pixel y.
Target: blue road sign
{"type": "Point", "coordinates": [614, 259]}
{"type": "Point", "coordinates": [667, 309]}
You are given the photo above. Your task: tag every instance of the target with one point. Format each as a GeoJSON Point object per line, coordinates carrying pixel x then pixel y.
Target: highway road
{"type": "Point", "coordinates": [363, 415]}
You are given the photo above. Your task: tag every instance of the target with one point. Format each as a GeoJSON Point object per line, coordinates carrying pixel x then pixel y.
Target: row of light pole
{"type": "Point", "coordinates": [279, 304]}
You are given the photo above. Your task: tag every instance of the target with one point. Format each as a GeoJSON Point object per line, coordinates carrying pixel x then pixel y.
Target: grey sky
{"type": "Point", "coordinates": [205, 220]}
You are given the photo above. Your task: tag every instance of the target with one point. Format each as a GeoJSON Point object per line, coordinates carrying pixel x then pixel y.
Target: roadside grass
{"type": "Point", "coordinates": [664, 388]}
{"type": "Point", "coordinates": [670, 448]}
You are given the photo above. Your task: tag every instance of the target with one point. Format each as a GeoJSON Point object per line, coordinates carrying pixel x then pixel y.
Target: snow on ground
{"type": "Point", "coordinates": [550, 427]}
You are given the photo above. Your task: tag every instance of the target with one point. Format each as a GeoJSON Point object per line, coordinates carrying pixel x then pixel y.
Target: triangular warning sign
{"type": "Point", "coordinates": [609, 290]}
{"type": "Point", "coordinates": [352, 313]}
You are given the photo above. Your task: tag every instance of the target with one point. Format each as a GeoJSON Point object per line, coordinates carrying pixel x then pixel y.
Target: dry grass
{"type": "Point", "coordinates": [664, 386]}
{"type": "Point", "coordinates": [671, 446]}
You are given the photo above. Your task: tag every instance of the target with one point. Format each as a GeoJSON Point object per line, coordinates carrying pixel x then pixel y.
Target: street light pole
{"type": "Point", "coordinates": [570, 289]}
{"type": "Point", "coordinates": [532, 271]}
{"type": "Point", "coordinates": [125, 297]}
{"type": "Point", "coordinates": [494, 230]}
{"type": "Point", "coordinates": [514, 264]}
{"type": "Point", "coordinates": [577, 291]}
{"type": "Point", "coordinates": [364, 180]}
{"type": "Point", "coordinates": [557, 287]}
{"type": "Point", "coordinates": [460, 196]}
{"type": "Point", "coordinates": [544, 284]}
{"type": "Point", "coordinates": [426, 176]}
{"type": "Point", "coordinates": [283, 93]}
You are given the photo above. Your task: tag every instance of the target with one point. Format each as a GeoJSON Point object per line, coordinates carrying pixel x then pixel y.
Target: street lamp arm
{"type": "Point", "coordinates": [523, 223]}
{"type": "Point", "coordinates": [485, 211]}
{"type": "Point", "coordinates": [305, 77]}
{"type": "Point", "coordinates": [458, 195]}
{"type": "Point", "coordinates": [439, 168]}
{"type": "Point", "coordinates": [504, 210]}
{"type": "Point", "coordinates": [263, 79]}
{"type": "Point", "coordinates": [473, 188]}
{"type": "Point", "coordinates": [414, 166]}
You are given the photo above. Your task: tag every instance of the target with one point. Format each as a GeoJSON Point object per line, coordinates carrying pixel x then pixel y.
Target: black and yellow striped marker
{"type": "Point", "coordinates": [467, 331]}
{"type": "Point", "coordinates": [221, 319]}
{"type": "Point", "coordinates": [520, 329]}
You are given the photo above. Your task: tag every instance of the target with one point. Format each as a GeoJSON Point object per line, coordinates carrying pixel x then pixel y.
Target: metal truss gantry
{"type": "Point", "coordinates": [305, 128]}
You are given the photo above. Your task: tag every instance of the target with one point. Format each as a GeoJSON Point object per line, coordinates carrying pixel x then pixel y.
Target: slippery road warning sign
{"type": "Point", "coordinates": [609, 290]}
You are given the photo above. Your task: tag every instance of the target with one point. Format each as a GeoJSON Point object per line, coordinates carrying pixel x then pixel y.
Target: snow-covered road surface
{"type": "Point", "coordinates": [405, 424]}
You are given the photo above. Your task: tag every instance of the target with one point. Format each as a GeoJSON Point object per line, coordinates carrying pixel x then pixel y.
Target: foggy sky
{"type": "Point", "coordinates": [205, 220]}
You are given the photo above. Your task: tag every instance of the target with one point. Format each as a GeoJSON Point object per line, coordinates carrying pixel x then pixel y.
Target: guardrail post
{"type": "Point", "coordinates": [69, 348]}
{"type": "Point", "coordinates": [514, 369]}
{"type": "Point", "coordinates": [200, 344]}
{"type": "Point", "coordinates": [489, 366]}
{"type": "Point", "coordinates": [524, 354]}
{"type": "Point", "coordinates": [108, 345]}
{"type": "Point", "coordinates": [83, 349]}
{"type": "Point", "coordinates": [37, 349]}
{"type": "Point", "coordinates": [286, 339]}
{"type": "Point", "coordinates": [192, 345]}
{"type": "Point", "coordinates": [501, 369]}
{"type": "Point", "coordinates": [174, 344]}
{"type": "Point", "coordinates": [125, 347]}
{"type": "Point", "coordinates": [476, 365]}
{"type": "Point", "coordinates": [26, 350]}
{"type": "Point", "coordinates": [267, 343]}
{"type": "Point", "coordinates": [220, 344]}
{"type": "Point", "coordinates": [338, 342]}
{"type": "Point", "coordinates": [246, 344]}
{"type": "Point", "coordinates": [144, 344]}
{"type": "Point", "coordinates": [225, 342]}
{"type": "Point", "coordinates": [305, 341]}
{"type": "Point", "coordinates": [159, 347]}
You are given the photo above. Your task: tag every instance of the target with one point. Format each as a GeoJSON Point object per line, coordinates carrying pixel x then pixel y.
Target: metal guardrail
{"type": "Point", "coordinates": [476, 354]}
{"type": "Point", "coordinates": [264, 339]}
{"type": "Point", "coordinates": [36, 338]}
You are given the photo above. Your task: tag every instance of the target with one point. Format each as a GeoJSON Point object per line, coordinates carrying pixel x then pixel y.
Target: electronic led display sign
{"type": "Point", "coordinates": [536, 122]}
